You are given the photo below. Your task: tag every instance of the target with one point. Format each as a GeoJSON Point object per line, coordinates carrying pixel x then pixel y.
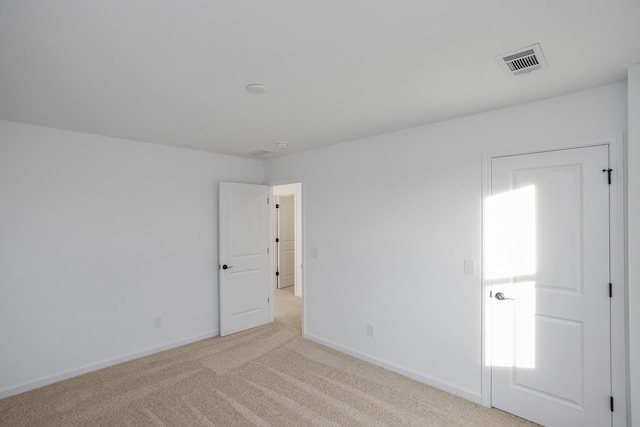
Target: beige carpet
{"type": "Point", "coordinates": [267, 376]}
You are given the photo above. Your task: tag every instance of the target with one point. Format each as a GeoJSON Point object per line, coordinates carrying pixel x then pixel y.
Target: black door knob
{"type": "Point", "coordinates": [500, 296]}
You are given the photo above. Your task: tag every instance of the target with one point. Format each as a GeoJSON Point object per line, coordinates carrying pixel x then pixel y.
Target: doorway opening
{"type": "Point", "coordinates": [288, 236]}
{"type": "Point", "coordinates": [287, 253]}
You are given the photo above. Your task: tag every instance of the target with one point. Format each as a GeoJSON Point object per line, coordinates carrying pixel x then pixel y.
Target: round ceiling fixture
{"type": "Point", "coordinates": [256, 88]}
{"type": "Point", "coordinates": [282, 145]}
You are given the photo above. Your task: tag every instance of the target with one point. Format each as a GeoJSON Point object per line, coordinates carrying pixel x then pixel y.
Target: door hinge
{"type": "Point", "coordinates": [277, 206]}
{"type": "Point", "coordinates": [608, 171]}
{"type": "Point", "coordinates": [611, 403]}
{"type": "Point", "coordinates": [277, 240]}
{"type": "Point", "coordinates": [277, 273]}
{"type": "Point", "coordinates": [268, 300]}
{"type": "Point", "coordinates": [610, 290]}
{"type": "Point", "coordinates": [267, 200]}
{"type": "Point", "coordinates": [267, 250]}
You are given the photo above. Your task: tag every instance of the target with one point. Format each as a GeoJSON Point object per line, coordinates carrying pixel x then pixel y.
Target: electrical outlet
{"type": "Point", "coordinates": [157, 322]}
{"type": "Point", "coordinates": [371, 330]}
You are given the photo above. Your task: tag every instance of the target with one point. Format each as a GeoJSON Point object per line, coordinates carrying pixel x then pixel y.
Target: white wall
{"type": "Point", "coordinates": [393, 217]}
{"type": "Point", "coordinates": [97, 237]}
{"type": "Point", "coordinates": [633, 159]}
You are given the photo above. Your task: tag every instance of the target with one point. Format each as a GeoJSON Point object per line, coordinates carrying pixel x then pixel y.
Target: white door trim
{"type": "Point", "coordinates": [301, 273]}
{"type": "Point", "coordinates": [618, 278]}
{"type": "Point", "coordinates": [295, 190]}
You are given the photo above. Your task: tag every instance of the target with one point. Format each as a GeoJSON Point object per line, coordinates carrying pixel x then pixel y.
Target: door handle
{"type": "Point", "coordinates": [225, 266]}
{"type": "Point", "coordinates": [500, 297]}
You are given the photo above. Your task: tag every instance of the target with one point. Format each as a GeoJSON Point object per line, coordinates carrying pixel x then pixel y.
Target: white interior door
{"type": "Point", "coordinates": [286, 241]}
{"type": "Point", "coordinates": [547, 257]}
{"type": "Point", "coordinates": [244, 258]}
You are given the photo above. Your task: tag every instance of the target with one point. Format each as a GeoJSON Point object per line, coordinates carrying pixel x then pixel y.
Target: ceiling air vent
{"type": "Point", "coordinates": [260, 153]}
{"type": "Point", "coordinates": [523, 60]}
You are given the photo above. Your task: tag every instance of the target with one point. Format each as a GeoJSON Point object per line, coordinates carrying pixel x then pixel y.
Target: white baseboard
{"type": "Point", "coordinates": [442, 385]}
{"type": "Point", "coordinates": [465, 393]}
{"type": "Point", "coordinates": [31, 385]}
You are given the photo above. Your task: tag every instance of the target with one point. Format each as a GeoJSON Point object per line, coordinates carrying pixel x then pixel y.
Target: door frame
{"type": "Point", "coordinates": [619, 376]}
{"type": "Point", "coordinates": [296, 194]}
{"type": "Point", "coordinates": [302, 277]}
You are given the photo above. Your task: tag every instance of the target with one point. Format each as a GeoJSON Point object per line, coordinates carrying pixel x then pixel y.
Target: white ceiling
{"type": "Point", "coordinates": [174, 72]}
